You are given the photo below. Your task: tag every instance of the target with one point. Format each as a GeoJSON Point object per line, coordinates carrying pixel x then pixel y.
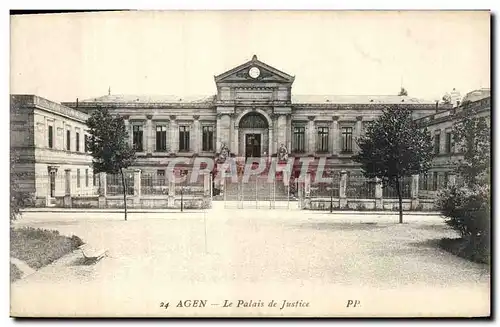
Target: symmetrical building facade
{"type": "Point", "coordinates": [253, 114]}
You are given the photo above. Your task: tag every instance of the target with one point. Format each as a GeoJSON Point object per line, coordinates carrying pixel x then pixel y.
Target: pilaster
{"type": "Point", "coordinates": [310, 135]}
{"type": "Point", "coordinates": [149, 134]}
{"type": "Point", "coordinates": [334, 138]}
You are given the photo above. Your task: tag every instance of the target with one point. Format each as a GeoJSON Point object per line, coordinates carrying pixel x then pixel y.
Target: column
{"type": "Point", "coordinates": [270, 150]}
{"type": "Point", "coordinates": [174, 135]}
{"type": "Point", "coordinates": [149, 134]}
{"type": "Point", "coordinates": [310, 135]}
{"type": "Point", "coordinates": [102, 190]}
{"type": "Point", "coordinates": [335, 135]}
{"type": "Point", "coordinates": [218, 131]}
{"type": "Point", "coordinates": [307, 192]}
{"type": "Point", "coordinates": [281, 128]}
{"type": "Point", "coordinates": [67, 194]}
{"type": "Point", "coordinates": [197, 133]}
{"type": "Point", "coordinates": [452, 179]}
{"type": "Point", "coordinates": [171, 188]}
{"type": "Point", "coordinates": [236, 138]}
{"type": "Point", "coordinates": [137, 182]}
{"type": "Point", "coordinates": [137, 189]}
{"type": "Point", "coordinates": [342, 189]}
{"type": "Point", "coordinates": [289, 132]}
{"type": "Point", "coordinates": [414, 191]}
{"type": "Point", "coordinates": [359, 127]}
{"type": "Point", "coordinates": [230, 139]}
{"type": "Point", "coordinates": [206, 184]}
{"type": "Point", "coordinates": [378, 194]}
{"type": "Point", "coordinates": [127, 128]}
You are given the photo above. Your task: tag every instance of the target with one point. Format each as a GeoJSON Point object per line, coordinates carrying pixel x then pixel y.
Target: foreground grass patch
{"type": "Point", "coordinates": [464, 249]}
{"type": "Point", "coordinates": [40, 247]}
{"type": "Point", "coordinates": [15, 273]}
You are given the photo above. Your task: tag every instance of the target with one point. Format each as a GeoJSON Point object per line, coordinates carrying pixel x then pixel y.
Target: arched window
{"type": "Point", "coordinates": [253, 120]}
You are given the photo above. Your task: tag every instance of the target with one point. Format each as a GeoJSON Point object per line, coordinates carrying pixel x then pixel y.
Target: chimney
{"type": "Point", "coordinates": [77, 102]}
{"type": "Point", "coordinates": [437, 105]}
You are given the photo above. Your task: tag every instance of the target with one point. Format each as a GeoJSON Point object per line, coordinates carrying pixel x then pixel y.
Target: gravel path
{"type": "Point", "coordinates": [259, 255]}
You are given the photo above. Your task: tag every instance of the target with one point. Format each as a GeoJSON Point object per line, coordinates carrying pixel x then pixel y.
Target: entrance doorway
{"type": "Point", "coordinates": [252, 145]}
{"type": "Point", "coordinates": [253, 135]}
{"type": "Point", "coordinates": [52, 182]}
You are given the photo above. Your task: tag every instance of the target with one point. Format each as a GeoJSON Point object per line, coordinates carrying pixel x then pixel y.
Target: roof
{"type": "Point", "coordinates": [296, 99]}
{"type": "Point", "coordinates": [477, 95]}
{"type": "Point", "coordinates": [130, 98]}
{"type": "Point", "coordinates": [357, 99]}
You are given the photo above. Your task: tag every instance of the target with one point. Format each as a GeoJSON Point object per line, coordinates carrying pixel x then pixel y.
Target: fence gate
{"type": "Point", "coordinates": [256, 193]}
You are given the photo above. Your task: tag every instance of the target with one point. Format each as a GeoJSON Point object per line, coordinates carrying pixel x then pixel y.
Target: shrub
{"type": "Point", "coordinates": [467, 211]}
{"type": "Point", "coordinates": [15, 273]}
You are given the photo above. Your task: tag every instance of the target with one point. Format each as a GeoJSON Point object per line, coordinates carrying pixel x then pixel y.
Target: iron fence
{"type": "Point", "coordinates": [389, 191]}
{"type": "Point", "coordinates": [154, 185]}
{"type": "Point", "coordinates": [360, 187]}
{"type": "Point", "coordinates": [114, 184]}
{"type": "Point", "coordinates": [321, 190]}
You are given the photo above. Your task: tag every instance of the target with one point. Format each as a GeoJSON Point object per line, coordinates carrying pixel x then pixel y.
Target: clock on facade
{"type": "Point", "coordinates": [254, 72]}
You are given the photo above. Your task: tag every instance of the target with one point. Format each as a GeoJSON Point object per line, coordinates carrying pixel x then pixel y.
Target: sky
{"type": "Point", "coordinates": [66, 56]}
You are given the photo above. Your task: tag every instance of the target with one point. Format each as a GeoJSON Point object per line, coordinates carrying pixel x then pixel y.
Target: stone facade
{"type": "Point", "coordinates": [308, 126]}
{"type": "Point", "coordinates": [446, 154]}
{"type": "Point", "coordinates": [50, 141]}
{"type": "Point", "coordinates": [253, 114]}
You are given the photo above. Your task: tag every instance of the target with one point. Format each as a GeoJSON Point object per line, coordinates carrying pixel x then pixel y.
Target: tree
{"type": "Point", "coordinates": [16, 197]}
{"type": "Point", "coordinates": [471, 135]}
{"type": "Point", "coordinates": [393, 147]}
{"type": "Point", "coordinates": [403, 92]}
{"type": "Point", "coordinates": [467, 206]}
{"type": "Point", "coordinates": [107, 143]}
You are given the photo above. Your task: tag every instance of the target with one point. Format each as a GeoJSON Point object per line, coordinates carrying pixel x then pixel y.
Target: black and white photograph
{"type": "Point", "coordinates": [251, 163]}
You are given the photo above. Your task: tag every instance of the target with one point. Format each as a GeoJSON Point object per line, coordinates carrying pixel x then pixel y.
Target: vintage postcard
{"type": "Point", "coordinates": [250, 164]}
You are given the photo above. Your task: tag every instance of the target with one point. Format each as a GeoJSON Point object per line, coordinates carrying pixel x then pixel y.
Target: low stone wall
{"type": "Point", "coordinates": [116, 202]}
{"type": "Point", "coordinates": [368, 204]}
{"type": "Point", "coordinates": [85, 202]}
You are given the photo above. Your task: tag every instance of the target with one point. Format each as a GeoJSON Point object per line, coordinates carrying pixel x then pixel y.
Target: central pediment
{"type": "Point", "coordinates": [254, 71]}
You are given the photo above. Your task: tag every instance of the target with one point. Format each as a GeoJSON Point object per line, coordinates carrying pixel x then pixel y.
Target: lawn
{"type": "Point", "coordinates": [40, 247]}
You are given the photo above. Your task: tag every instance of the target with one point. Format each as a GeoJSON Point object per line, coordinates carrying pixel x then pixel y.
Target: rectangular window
{"type": "Point", "coordinates": [86, 178]}
{"type": "Point", "coordinates": [77, 137]}
{"type": "Point", "coordinates": [208, 138]}
{"type": "Point", "coordinates": [137, 132]}
{"type": "Point", "coordinates": [322, 140]}
{"type": "Point", "coordinates": [68, 140]}
{"type": "Point", "coordinates": [448, 142]}
{"type": "Point", "coordinates": [85, 140]}
{"type": "Point", "coordinates": [161, 138]}
{"type": "Point", "coordinates": [445, 181]}
{"type": "Point", "coordinates": [78, 177]}
{"type": "Point", "coordinates": [184, 138]}
{"type": "Point", "coordinates": [51, 137]}
{"type": "Point", "coordinates": [437, 142]}
{"type": "Point", "coordinates": [346, 139]}
{"type": "Point", "coordinates": [299, 139]}
{"type": "Point", "coordinates": [434, 181]}
{"type": "Point", "coordinates": [95, 176]}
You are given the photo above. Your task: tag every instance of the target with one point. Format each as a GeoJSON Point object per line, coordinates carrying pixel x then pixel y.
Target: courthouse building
{"type": "Point", "coordinates": [253, 114]}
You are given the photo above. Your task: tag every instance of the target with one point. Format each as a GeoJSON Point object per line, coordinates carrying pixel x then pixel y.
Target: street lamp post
{"type": "Point", "coordinates": [182, 193]}
{"type": "Point", "coordinates": [331, 192]}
